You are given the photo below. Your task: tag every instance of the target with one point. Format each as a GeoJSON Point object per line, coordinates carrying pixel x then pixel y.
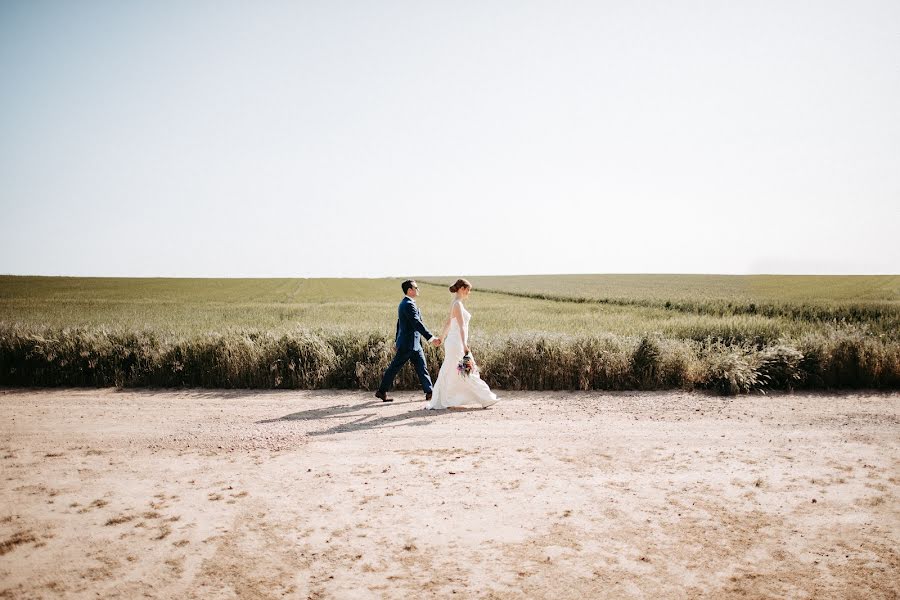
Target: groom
{"type": "Point", "coordinates": [409, 346]}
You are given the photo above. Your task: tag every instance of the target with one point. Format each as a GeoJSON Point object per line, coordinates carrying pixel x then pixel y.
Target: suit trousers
{"type": "Point", "coordinates": [418, 360]}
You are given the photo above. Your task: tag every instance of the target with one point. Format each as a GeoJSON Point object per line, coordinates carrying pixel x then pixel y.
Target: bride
{"type": "Point", "coordinates": [452, 388]}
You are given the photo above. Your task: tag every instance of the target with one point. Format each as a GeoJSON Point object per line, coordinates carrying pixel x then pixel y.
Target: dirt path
{"type": "Point", "coordinates": [224, 494]}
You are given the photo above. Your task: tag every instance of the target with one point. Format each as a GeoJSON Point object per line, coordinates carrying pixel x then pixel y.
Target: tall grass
{"type": "Point", "coordinates": [305, 359]}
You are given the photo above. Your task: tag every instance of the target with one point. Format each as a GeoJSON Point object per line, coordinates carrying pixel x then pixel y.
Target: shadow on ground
{"type": "Point", "coordinates": [365, 416]}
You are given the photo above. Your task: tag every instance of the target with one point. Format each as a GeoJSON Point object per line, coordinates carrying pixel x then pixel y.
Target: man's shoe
{"type": "Point", "coordinates": [428, 397]}
{"type": "Point", "coordinates": [383, 396]}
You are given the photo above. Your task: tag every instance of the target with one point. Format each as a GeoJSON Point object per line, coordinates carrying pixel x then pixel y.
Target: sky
{"type": "Point", "coordinates": [372, 139]}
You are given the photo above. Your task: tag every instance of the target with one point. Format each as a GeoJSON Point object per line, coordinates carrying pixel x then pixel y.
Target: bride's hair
{"type": "Point", "coordinates": [460, 283]}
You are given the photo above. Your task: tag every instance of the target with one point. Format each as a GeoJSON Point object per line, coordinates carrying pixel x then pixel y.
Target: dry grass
{"type": "Point", "coordinates": [119, 520]}
{"type": "Point", "coordinates": [17, 539]}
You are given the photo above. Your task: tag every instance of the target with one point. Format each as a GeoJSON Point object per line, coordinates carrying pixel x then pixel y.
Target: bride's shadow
{"type": "Point", "coordinates": [364, 420]}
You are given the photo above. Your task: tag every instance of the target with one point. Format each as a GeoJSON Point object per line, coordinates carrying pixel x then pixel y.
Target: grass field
{"type": "Point", "coordinates": [873, 300]}
{"type": "Point", "coordinates": [544, 332]}
{"type": "Point", "coordinates": [688, 306]}
{"type": "Point", "coordinates": [760, 289]}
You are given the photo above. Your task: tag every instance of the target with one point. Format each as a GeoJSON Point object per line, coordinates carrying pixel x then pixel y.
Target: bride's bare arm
{"type": "Point", "coordinates": [457, 313]}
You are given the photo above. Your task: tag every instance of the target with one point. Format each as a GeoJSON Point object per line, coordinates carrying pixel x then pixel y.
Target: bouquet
{"type": "Point", "coordinates": [466, 366]}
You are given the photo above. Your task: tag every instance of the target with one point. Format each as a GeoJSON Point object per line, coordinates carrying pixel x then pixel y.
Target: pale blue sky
{"type": "Point", "coordinates": [386, 138]}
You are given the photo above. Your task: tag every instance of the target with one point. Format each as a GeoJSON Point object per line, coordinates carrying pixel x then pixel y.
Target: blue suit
{"type": "Point", "coordinates": [410, 330]}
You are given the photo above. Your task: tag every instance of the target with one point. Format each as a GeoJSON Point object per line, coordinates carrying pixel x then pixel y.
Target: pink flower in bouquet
{"type": "Point", "coordinates": [466, 366]}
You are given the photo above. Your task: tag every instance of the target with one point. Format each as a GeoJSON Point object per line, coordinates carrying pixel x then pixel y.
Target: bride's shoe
{"type": "Point", "coordinates": [493, 402]}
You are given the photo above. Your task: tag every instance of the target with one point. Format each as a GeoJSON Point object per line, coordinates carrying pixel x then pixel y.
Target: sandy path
{"type": "Point", "coordinates": [224, 494]}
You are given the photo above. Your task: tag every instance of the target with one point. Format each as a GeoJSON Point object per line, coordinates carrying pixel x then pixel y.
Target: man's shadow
{"type": "Point", "coordinates": [413, 418]}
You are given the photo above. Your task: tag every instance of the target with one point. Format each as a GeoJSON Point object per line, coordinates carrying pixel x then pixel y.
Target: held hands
{"type": "Point", "coordinates": [436, 341]}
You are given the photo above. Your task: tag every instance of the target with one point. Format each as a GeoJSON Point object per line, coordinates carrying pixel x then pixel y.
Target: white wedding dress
{"type": "Point", "coordinates": [452, 389]}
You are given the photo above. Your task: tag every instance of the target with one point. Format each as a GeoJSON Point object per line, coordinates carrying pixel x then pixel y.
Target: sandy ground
{"type": "Point", "coordinates": [241, 494]}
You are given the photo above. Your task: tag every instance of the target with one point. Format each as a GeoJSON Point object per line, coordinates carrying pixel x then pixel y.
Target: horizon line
{"type": "Point", "coordinates": [424, 277]}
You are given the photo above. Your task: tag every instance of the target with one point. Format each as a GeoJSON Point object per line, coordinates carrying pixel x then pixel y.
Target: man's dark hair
{"type": "Point", "coordinates": [407, 284]}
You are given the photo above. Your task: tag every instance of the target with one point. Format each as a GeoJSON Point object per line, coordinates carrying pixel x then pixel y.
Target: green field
{"type": "Point", "coordinates": [761, 289]}
{"type": "Point", "coordinates": [684, 318]}
{"type": "Point", "coordinates": [698, 306]}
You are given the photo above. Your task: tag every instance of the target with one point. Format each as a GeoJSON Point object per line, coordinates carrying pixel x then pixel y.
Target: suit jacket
{"type": "Point", "coordinates": [409, 326]}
